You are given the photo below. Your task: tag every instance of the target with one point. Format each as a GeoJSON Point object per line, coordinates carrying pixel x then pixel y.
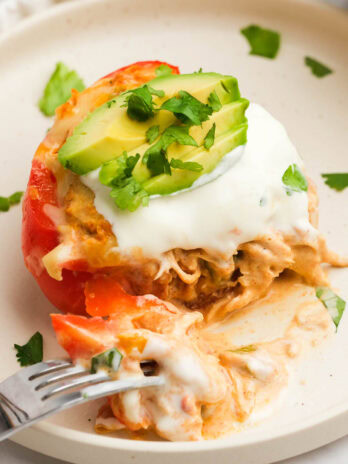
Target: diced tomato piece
{"type": "Point", "coordinates": [82, 337]}
{"type": "Point", "coordinates": [105, 296]}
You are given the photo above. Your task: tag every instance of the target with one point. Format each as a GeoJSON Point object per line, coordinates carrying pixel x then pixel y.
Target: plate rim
{"type": "Point", "coordinates": [292, 431]}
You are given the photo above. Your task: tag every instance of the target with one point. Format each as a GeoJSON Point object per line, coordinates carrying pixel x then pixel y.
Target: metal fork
{"type": "Point", "coordinates": [35, 392]}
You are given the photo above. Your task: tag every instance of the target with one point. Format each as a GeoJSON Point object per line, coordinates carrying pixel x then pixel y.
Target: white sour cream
{"type": "Point", "coordinates": [247, 200]}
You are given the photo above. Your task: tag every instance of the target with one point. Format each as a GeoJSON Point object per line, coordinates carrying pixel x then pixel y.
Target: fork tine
{"type": "Point", "coordinates": [102, 389]}
{"type": "Point", "coordinates": [56, 377]}
{"type": "Point", "coordinates": [86, 379]}
{"type": "Point", "coordinates": [45, 367]}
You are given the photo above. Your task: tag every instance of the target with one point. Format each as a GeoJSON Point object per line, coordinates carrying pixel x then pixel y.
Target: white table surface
{"type": "Point", "coordinates": [11, 453]}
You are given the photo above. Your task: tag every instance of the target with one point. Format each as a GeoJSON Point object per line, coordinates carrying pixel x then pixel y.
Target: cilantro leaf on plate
{"type": "Point", "coordinates": [187, 108]}
{"type": "Point", "coordinates": [263, 42]}
{"type": "Point", "coordinates": [294, 180]}
{"type": "Point", "coordinates": [209, 139]}
{"type": "Point", "coordinates": [110, 359]}
{"type": "Point", "coordinates": [317, 68]}
{"type": "Point", "coordinates": [7, 202]}
{"type": "Point", "coordinates": [58, 88]}
{"type": "Point", "coordinates": [31, 352]}
{"type": "Point", "coordinates": [332, 302]}
{"type": "Point", "coordinates": [186, 165]}
{"type": "Point", "coordinates": [163, 70]}
{"type": "Point", "coordinates": [152, 133]}
{"type": "Point", "coordinates": [337, 181]}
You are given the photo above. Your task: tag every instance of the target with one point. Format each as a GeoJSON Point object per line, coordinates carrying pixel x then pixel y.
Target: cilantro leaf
{"type": "Point", "coordinates": [129, 194]}
{"type": "Point", "coordinates": [263, 42]}
{"type": "Point", "coordinates": [337, 181]}
{"type": "Point", "coordinates": [186, 165]}
{"type": "Point", "coordinates": [214, 101]}
{"type": "Point", "coordinates": [187, 108]}
{"type": "Point", "coordinates": [139, 104]}
{"type": "Point", "coordinates": [7, 202]}
{"type": "Point", "coordinates": [110, 103]}
{"type": "Point", "coordinates": [158, 93]}
{"type": "Point", "coordinates": [178, 134]}
{"type": "Point", "coordinates": [155, 157]}
{"type": "Point", "coordinates": [163, 70]}
{"type": "Point", "coordinates": [31, 352]}
{"type": "Point", "coordinates": [294, 180]}
{"type": "Point", "coordinates": [58, 88]}
{"type": "Point", "coordinates": [317, 68]}
{"type": "Point", "coordinates": [332, 302]}
{"type": "Point", "coordinates": [152, 133]}
{"type": "Point", "coordinates": [158, 163]}
{"type": "Point", "coordinates": [210, 137]}
{"type": "Point", "coordinates": [4, 204]}
{"type": "Point", "coordinates": [114, 171]}
{"type": "Point", "coordinates": [110, 359]}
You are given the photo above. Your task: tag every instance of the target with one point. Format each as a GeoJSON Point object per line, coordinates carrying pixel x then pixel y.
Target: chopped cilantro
{"type": "Point", "coordinates": [214, 101]}
{"type": "Point", "coordinates": [58, 88]}
{"type": "Point", "coordinates": [317, 68]}
{"type": "Point", "coordinates": [7, 202]}
{"type": "Point", "coordinates": [139, 104]}
{"type": "Point", "coordinates": [155, 157]}
{"type": "Point", "coordinates": [163, 70]}
{"type": "Point", "coordinates": [157, 163]}
{"type": "Point", "coordinates": [114, 171]}
{"type": "Point", "coordinates": [31, 352]}
{"type": "Point", "coordinates": [111, 359]}
{"type": "Point", "coordinates": [294, 180]}
{"type": "Point", "coordinates": [263, 42]}
{"type": "Point", "coordinates": [152, 133]}
{"type": "Point", "coordinates": [210, 137]}
{"type": "Point", "coordinates": [187, 108]}
{"type": "Point", "coordinates": [337, 181]}
{"type": "Point", "coordinates": [110, 103]}
{"type": "Point", "coordinates": [186, 165]}
{"type": "Point", "coordinates": [126, 192]}
{"type": "Point", "coordinates": [199, 71]}
{"type": "Point", "coordinates": [129, 194]}
{"type": "Point", "coordinates": [158, 93]}
{"type": "Point", "coordinates": [332, 302]}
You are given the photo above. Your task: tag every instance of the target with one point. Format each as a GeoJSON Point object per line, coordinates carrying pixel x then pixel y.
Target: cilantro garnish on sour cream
{"type": "Point", "coordinates": [263, 42]}
{"type": "Point", "coordinates": [294, 180]}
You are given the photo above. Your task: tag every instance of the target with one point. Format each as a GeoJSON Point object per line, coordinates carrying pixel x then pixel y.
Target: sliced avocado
{"type": "Point", "coordinates": [230, 115]}
{"type": "Point", "coordinates": [165, 184]}
{"type": "Point", "coordinates": [108, 131]}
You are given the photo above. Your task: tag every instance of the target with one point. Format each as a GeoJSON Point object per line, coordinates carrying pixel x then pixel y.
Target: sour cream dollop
{"type": "Point", "coordinates": [236, 204]}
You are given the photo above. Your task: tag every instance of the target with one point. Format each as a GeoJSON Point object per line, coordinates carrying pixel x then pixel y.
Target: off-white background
{"type": "Point", "coordinates": [11, 12]}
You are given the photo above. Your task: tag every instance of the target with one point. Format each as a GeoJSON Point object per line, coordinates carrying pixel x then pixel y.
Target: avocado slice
{"type": "Point", "coordinates": [108, 131]}
{"type": "Point", "coordinates": [165, 184]}
{"type": "Point", "coordinates": [230, 115]}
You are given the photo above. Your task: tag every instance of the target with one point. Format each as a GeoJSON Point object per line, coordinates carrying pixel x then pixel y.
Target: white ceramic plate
{"type": "Point", "coordinates": [96, 37]}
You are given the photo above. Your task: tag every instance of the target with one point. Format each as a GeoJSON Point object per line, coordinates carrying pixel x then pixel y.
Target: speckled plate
{"type": "Point", "coordinates": [98, 36]}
